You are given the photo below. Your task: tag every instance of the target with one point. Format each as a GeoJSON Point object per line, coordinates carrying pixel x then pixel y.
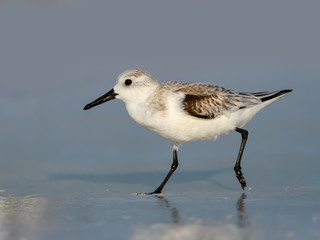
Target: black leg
{"type": "Point", "coordinates": [237, 167]}
{"type": "Point", "coordinates": [174, 166]}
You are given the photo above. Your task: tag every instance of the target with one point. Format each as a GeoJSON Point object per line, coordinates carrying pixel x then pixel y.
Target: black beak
{"type": "Point", "coordinates": [106, 97]}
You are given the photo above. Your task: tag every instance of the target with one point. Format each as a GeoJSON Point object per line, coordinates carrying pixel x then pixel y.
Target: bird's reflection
{"type": "Point", "coordinates": [174, 211]}
{"type": "Point", "coordinates": [197, 228]}
{"type": "Point", "coordinates": [242, 221]}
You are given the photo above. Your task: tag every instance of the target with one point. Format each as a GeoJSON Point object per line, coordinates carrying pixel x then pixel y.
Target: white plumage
{"type": "Point", "coordinates": [183, 112]}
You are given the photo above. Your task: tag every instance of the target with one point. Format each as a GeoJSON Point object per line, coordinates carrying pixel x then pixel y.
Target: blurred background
{"type": "Point", "coordinates": [58, 55]}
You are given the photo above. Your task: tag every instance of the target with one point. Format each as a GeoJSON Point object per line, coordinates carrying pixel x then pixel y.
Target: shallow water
{"type": "Point", "coordinates": [195, 205]}
{"type": "Point", "coordinates": [72, 213]}
{"type": "Point", "coordinates": [66, 173]}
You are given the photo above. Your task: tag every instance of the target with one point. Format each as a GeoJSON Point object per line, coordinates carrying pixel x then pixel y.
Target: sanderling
{"type": "Point", "coordinates": [183, 112]}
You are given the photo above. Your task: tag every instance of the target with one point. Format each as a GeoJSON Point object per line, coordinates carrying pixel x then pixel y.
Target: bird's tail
{"type": "Point", "coordinates": [265, 96]}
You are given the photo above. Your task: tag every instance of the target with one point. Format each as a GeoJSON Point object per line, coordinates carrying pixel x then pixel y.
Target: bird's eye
{"type": "Point", "coordinates": [128, 82]}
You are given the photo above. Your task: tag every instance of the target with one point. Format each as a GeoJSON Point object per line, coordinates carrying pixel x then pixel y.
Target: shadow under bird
{"type": "Point", "coordinates": [184, 112]}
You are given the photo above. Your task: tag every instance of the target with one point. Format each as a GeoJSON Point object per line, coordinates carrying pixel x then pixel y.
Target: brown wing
{"type": "Point", "coordinates": [208, 102]}
{"type": "Point", "coordinates": [207, 107]}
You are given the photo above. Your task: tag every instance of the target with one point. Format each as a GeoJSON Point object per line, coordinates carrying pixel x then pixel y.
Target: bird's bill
{"type": "Point", "coordinates": [104, 98]}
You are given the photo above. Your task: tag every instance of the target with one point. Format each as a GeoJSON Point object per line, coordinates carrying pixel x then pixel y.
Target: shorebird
{"type": "Point", "coordinates": [184, 112]}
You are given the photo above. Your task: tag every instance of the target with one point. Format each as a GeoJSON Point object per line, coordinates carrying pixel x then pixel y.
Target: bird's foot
{"type": "Point", "coordinates": [240, 177]}
{"type": "Point", "coordinates": [156, 194]}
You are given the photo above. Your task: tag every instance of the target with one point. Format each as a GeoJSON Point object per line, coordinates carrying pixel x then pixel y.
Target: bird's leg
{"type": "Point", "coordinates": [174, 166]}
{"type": "Point", "coordinates": [237, 167]}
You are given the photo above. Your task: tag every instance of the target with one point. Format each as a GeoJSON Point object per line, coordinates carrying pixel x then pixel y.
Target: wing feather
{"type": "Point", "coordinates": [209, 102]}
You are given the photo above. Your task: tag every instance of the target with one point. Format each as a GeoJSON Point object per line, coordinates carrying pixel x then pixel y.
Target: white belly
{"type": "Point", "coordinates": [178, 127]}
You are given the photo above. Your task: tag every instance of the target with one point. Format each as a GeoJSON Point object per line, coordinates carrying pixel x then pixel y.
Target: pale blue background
{"type": "Point", "coordinates": [66, 173]}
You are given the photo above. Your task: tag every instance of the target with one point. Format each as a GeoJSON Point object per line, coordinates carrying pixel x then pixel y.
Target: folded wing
{"type": "Point", "coordinates": [209, 102]}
